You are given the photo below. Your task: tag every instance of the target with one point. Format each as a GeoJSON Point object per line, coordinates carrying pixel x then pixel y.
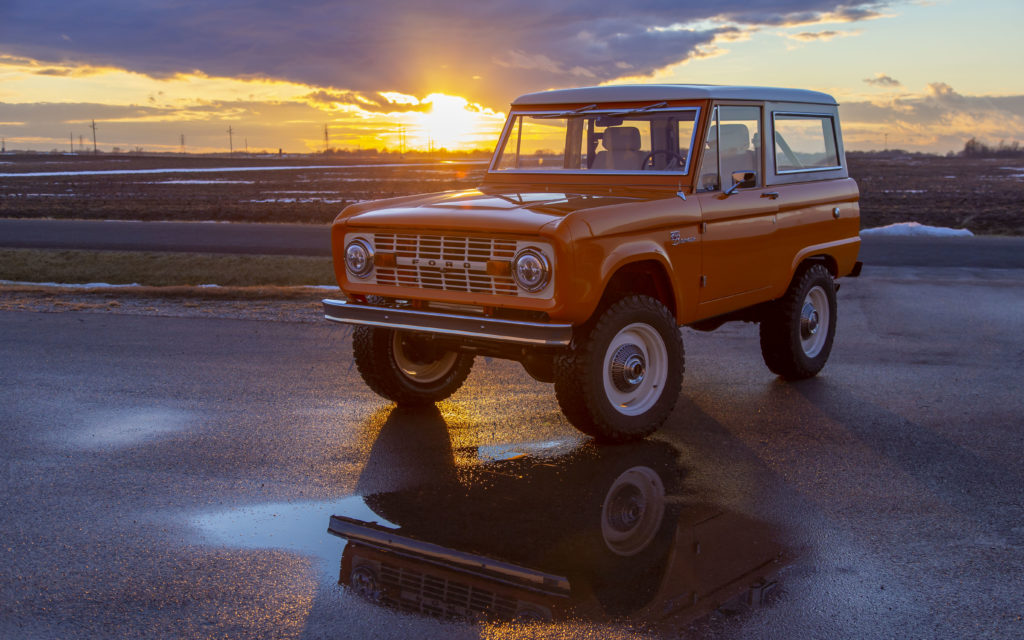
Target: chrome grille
{"type": "Point", "coordinates": [418, 592]}
{"type": "Point", "coordinates": [441, 262]}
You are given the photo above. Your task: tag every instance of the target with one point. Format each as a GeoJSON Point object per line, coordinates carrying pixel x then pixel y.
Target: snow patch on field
{"type": "Point", "coordinates": [200, 182]}
{"type": "Point", "coordinates": [108, 172]}
{"type": "Point", "coordinates": [296, 200]}
{"type": "Point", "coordinates": [916, 229]}
{"type": "Point", "coordinates": [37, 195]}
{"type": "Point", "coordinates": [105, 285]}
{"type": "Point", "coordinates": [89, 285]}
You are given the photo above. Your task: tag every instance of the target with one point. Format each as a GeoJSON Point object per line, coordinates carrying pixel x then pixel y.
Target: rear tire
{"type": "Point", "coordinates": [406, 367]}
{"type": "Point", "coordinates": [798, 329]}
{"type": "Point", "coordinates": [621, 378]}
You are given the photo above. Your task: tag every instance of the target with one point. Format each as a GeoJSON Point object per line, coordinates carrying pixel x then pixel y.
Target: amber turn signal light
{"type": "Point", "coordinates": [499, 268]}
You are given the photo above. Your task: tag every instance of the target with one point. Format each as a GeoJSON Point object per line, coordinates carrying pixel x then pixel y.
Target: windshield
{"type": "Point", "coordinates": [654, 141]}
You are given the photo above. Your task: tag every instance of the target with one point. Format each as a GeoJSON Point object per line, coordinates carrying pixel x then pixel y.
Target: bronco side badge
{"type": "Point", "coordinates": [677, 238]}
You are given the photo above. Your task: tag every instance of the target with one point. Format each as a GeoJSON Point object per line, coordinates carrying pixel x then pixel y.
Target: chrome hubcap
{"type": "Point", "coordinates": [808, 320]}
{"type": "Point", "coordinates": [628, 368]}
{"type": "Point", "coordinates": [634, 369]}
{"type": "Point", "coordinates": [815, 319]}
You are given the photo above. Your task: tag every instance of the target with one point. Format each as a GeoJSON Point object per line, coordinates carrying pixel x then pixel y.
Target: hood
{"type": "Point", "coordinates": [516, 212]}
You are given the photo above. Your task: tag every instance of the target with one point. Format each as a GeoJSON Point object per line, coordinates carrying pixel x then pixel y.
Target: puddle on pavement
{"type": "Point", "coordinates": [542, 531]}
{"type": "Point", "coordinates": [292, 526]}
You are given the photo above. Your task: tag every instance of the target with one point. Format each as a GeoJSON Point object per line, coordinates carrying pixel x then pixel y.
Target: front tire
{"type": "Point", "coordinates": [620, 380]}
{"type": "Point", "coordinates": [798, 330]}
{"type": "Point", "coordinates": [407, 368]}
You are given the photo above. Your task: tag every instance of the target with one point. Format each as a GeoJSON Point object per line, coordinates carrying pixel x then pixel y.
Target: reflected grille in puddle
{"type": "Point", "coordinates": [418, 592]}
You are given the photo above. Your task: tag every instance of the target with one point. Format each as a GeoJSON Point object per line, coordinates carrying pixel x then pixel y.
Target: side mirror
{"type": "Point", "coordinates": [742, 180]}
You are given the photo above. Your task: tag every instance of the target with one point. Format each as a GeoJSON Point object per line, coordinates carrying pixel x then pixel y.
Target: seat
{"type": "Point", "coordinates": [622, 150]}
{"type": "Point", "coordinates": [735, 150]}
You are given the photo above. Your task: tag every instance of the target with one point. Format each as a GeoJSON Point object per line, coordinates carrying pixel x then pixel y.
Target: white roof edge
{"type": "Point", "coordinates": [656, 92]}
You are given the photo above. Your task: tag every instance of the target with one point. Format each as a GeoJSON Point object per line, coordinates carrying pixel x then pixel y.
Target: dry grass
{"type": "Point", "coordinates": [163, 269]}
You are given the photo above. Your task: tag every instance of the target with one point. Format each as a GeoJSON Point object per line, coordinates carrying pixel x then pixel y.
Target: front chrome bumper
{"type": "Point", "coordinates": [535, 333]}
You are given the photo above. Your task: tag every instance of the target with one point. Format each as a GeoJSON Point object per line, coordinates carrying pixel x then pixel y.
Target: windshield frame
{"type": "Point", "coordinates": [591, 111]}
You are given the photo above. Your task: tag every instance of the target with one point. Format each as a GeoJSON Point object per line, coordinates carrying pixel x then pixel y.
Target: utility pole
{"type": "Point", "coordinates": [93, 127]}
{"type": "Point", "coordinates": [3, 145]}
{"type": "Point", "coordinates": [327, 144]}
{"type": "Point", "coordinates": [231, 141]}
{"type": "Point", "coordinates": [247, 146]}
{"type": "Point", "coordinates": [81, 145]}
{"type": "Point", "coordinates": [887, 142]}
{"type": "Point", "coordinates": [182, 143]}
{"type": "Point", "coordinates": [71, 139]}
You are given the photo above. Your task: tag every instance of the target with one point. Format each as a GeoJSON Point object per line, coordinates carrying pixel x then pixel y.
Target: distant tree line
{"type": "Point", "coordinates": [974, 148]}
{"type": "Point", "coordinates": [411, 153]}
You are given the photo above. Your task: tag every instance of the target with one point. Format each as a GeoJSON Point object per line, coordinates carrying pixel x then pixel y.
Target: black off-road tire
{"type": "Point", "coordinates": [789, 347]}
{"type": "Point", "coordinates": [586, 378]}
{"type": "Point", "coordinates": [374, 352]}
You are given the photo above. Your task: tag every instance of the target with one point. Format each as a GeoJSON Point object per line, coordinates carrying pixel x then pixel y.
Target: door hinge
{"type": "Point", "coordinates": [703, 281]}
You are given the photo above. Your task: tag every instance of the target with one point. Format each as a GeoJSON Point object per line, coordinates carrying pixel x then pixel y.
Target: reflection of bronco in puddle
{"type": "Point", "coordinates": [595, 532]}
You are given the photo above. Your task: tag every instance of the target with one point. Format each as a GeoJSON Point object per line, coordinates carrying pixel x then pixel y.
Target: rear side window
{"type": "Point", "coordinates": [804, 142]}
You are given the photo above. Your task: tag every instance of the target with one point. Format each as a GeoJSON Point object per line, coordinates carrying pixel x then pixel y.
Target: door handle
{"type": "Point", "coordinates": [770, 194]}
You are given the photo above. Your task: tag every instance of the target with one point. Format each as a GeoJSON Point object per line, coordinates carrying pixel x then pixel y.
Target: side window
{"type": "Point", "coordinates": [733, 144]}
{"type": "Point", "coordinates": [804, 142]}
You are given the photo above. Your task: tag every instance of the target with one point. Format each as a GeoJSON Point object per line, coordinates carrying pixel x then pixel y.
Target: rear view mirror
{"type": "Point", "coordinates": [608, 121]}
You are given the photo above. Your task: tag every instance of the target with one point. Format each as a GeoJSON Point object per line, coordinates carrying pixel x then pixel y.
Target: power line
{"type": "Point", "coordinates": [93, 127]}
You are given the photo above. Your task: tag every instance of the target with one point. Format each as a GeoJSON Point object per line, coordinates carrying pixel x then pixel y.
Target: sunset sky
{"type": "Point", "coordinates": [921, 75]}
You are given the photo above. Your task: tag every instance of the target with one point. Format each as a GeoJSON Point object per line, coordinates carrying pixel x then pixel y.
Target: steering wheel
{"type": "Point", "coordinates": [672, 156]}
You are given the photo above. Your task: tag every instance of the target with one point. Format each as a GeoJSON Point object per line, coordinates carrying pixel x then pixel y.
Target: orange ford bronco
{"type": "Point", "coordinates": [608, 218]}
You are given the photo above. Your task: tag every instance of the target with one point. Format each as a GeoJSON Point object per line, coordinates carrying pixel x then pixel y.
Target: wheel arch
{"type": "Point", "coordinates": [826, 260]}
{"type": "Point", "coordinates": [642, 275]}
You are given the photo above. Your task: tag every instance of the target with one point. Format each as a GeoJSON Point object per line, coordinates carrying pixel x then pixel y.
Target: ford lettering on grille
{"type": "Point", "coordinates": [449, 263]}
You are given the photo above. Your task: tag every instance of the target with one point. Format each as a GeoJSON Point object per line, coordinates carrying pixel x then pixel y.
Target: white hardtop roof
{"type": "Point", "coordinates": [658, 92]}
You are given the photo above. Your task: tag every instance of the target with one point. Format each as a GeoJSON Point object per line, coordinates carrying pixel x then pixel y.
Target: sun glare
{"type": "Point", "coordinates": [452, 123]}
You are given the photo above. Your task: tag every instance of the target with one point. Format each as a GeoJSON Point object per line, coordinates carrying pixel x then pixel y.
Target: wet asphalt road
{"type": "Point", "coordinates": [173, 477]}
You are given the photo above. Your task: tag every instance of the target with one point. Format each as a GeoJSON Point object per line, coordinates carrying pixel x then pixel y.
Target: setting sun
{"type": "Point", "coordinates": [452, 123]}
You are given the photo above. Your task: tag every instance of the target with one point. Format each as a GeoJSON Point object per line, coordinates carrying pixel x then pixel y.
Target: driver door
{"type": "Point", "coordinates": [738, 224]}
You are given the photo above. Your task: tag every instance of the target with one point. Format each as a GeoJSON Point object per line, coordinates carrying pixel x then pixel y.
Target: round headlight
{"type": "Point", "coordinates": [531, 269]}
{"type": "Point", "coordinates": [359, 258]}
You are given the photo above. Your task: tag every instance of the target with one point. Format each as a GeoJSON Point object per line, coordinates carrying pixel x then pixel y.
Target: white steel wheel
{"type": "Point", "coordinates": [635, 369]}
{"type": "Point", "coordinates": [620, 378]}
{"type": "Point", "coordinates": [420, 368]}
{"type": "Point", "coordinates": [814, 321]}
{"type": "Point", "coordinates": [798, 329]}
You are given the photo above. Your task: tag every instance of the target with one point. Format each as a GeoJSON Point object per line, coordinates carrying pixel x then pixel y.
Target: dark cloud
{"type": "Point", "coordinates": [940, 119]}
{"type": "Point", "coordinates": [882, 80]}
{"type": "Point", "coordinates": [373, 102]}
{"type": "Point", "coordinates": [940, 104]}
{"type": "Point", "coordinates": [810, 36]}
{"type": "Point", "coordinates": [487, 51]}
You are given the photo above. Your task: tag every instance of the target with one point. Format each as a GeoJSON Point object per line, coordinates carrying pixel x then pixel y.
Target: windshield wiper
{"type": "Point", "coordinates": [656, 105]}
{"type": "Point", "coordinates": [564, 114]}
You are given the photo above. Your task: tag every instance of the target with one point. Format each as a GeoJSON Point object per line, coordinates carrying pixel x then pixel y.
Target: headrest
{"type": "Point", "coordinates": [734, 136]}
{"type": "Point", "coordinates": [621, 139]}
